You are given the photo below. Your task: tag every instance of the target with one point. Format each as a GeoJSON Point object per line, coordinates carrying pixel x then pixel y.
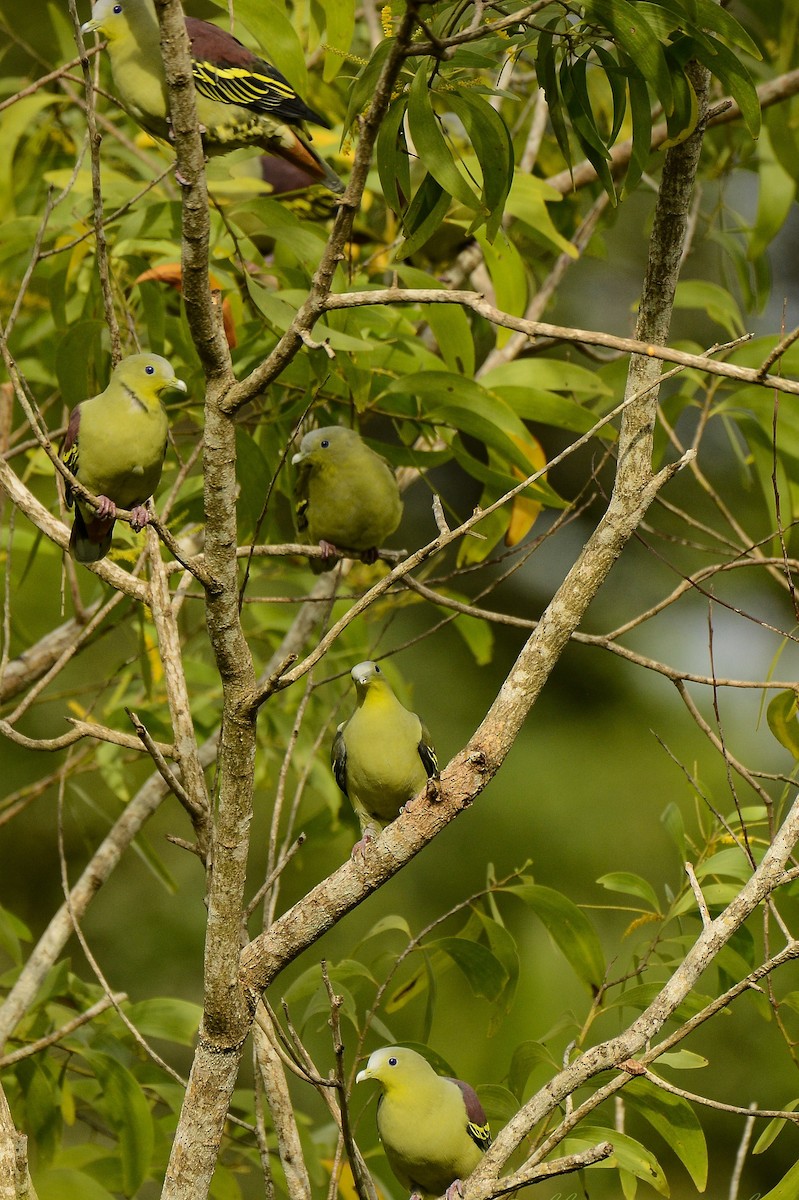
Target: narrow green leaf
{"type": "Point", "coordinates": [774, 1128]}
{"type": "Point", "coordinates": [547, 76]}
{"type": "Point", "coordinates": [393, 160]}
{"type": "Point", "coordinates": [490, 139]}
{"type": "Point", "coordinates": [499, 1104]}
{"type": "Point", "coordinates": [431, 144]}
{"type": "Point", "coordinates": [616, 76]}
{"type": "Point", "coordinates": [424, 215]}
{"type": "Point", "coordinates": [363, 88]}
{"type": "Point", "coordinates": [339, 29]}
{"type": "Point", "coordinates": [635, 36]}
{"type": "Point", "coordinates": [569, 928]}
{"type": "Point", "coordinates": [734, 77]}
{"type": "Point", "coordinates": [782, 721]}
{"type": "Point", "coordinates": [776, 194]}
{"type": "Point", "coordinates": [484, 972]}
{"type": "Point", "coordinates": [677, 1124]}
{"type": "Point", "coordinates": [630, 885]}
{"type": "Point", "coordinates": [641, 122]}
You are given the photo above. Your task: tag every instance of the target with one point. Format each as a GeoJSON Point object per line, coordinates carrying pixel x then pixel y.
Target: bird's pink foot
{"type": "Point", "coordinates": [328, 550]}
{"type": "Point", "coordinates": [106, 509]}
{"type": "Point", "coordinates": [359, 849]}
{"type": "Point", "coordinates": [139, 517]}
{"type": "Point", "coordinates": [454, 1191]}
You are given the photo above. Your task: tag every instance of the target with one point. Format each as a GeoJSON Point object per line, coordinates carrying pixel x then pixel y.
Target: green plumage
{"type": "Point", "coordinates": [381, 756]}
{"type": "Point", "coordinates": [433, 1129]}
{"type": "Point", "coordinates": [348, 496]}
{"type": "Point", "coordinates": [241, 99]}
{"type": "Point", "coordinates": [115, 445]}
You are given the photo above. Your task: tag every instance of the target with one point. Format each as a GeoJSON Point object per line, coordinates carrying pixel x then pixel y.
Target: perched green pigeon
{"type": "Point", "coordinates": [433, 1129]}
{"type": "Point", "coordinates": [115, 444]}
{"type": "Point", "coordinates": [381, 756]}
{"type": "Point", "coordinates": [348, 498]}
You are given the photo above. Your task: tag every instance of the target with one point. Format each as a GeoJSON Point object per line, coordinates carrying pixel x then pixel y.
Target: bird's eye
{"type": "Point", "coordinates": [377, 670]}
{"type": "Point", "coordinates": [325, 442]}
{"type": "Point", "coordinates": [117, 9]}
{"type": "Point", "coordinates": [392, 1062]}
{"type": "Point", "coordinates": [149, 369]}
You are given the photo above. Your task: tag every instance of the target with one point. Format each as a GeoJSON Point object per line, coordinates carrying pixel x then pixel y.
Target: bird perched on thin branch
{"type": "Point", "coordinates": [242, 100]}
{"type": "Point", "coordinates": [348, 498]}
{"type": "Point", "coordinates": [381, 756]}
{"type": "Point", "coordinates": [115, 445]}
{"type": "Point", "coordinates": [433, 1128]}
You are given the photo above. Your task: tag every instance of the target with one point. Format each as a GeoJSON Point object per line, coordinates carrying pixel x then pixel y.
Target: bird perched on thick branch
{"type": "Point", "coordinates": [241, 99]}
{"type": "Point", "coordinates": [381, 756]}
{"type": "Point", "coordinates": [348, 496]}
{"type": "Point", "coordinates": [433, 1129]}
{"type": "Point", "coordinates": [115, 445]}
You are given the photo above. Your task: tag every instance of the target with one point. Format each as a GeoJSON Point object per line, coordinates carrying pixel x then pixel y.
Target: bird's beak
{"type": "Point", "coordinates": [362, 1075]}
{"type": "Point", "coordinates": [177, 385]}
{"type": "Point", "coordinates": [297, 459]}
{"type": "Point", "coordinates": [90, 26]}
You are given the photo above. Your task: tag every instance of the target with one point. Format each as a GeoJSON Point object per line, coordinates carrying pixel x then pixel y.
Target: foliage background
{"type": "Point", "coordinates": [585, 788]}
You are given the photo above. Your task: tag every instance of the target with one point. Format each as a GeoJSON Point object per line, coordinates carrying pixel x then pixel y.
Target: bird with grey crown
{"type": "Point", "coordinates": [242, 100]}
{"type": "Point", "coordinates": [433, 1128]}
{"type": "Point", "coordinates": [347, 495]}
{"type": "Point", "coordinates": [115, 445]}
{"type": "Point", "coordinates": [381, 756]}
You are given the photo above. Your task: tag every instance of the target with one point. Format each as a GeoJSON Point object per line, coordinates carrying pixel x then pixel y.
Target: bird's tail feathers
{"type": "Point", "coordinates": [88, 543]}
{"type": "Point", "coordinates": [305, 157]}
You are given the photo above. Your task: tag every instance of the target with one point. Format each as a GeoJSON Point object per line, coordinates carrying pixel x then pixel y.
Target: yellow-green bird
{"type": "Point", "coordinates": [115, 445]}
{"type": "Point", "coordinates": [242, 100]}
{"type": "Point", "coordinates": [433, 1128]}
{"type": "Point", "coordinates": [381, 756]}
{"type": "Point", "coordinates": [347, 496]}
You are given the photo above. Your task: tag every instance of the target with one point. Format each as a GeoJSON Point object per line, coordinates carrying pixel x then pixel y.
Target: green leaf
{"type": "Point", "coordinates": [489, 138]}
{"type": "Point", "coordinates": [527, 200]}
{"type": "Point", "coordinates": [484, 972]}
{"type": "Point", "coordinates": [776, 193]}
{"type": "Point", "coordinates": [431, 144]}
{"type": "Point", "coordinates": [774, 1128]}
{"type": "Point", "coordinates": [672, 822]}
{"type": "Point", "coordinates": [713, 299]}
{"type": "Point", "coordinates": [676, 1122]}
{"type": "Point", "coordinates": [569, 928]}
{"type": "Point", "coordinates": [64, 1183]}
{"type": "Point", "coordinates": [393, 160]}
{"type": "Point", "coordinates": [637, 39]}
{"type": "Point", "coordinates": [628, 1154]}
{"type": "Point", "coordinates": [548, 79]}
{"type": "Point", "coordinates": [339, 29]}
{"type": "Point", "coordinates": [782, 721]}
{"type": "Point", "coordinates": [127, 1109]}
{"type": "Point", "coordinates": [546, 374]}
{"type": "Point", "coordinates": [630, 885]}
{"type": "Point", "coordinates": [508, 275]}
{"type": "Point", "coordinates": [425, 213]}
{"type": "Point", "coordinates": [734, 77]}
{"type": "Point", "coordinates": [167, 1017]}
{"type": "Point", "coordinates": [526, 1056]}
{"type": "Point", "coordinates": [683, 1060]}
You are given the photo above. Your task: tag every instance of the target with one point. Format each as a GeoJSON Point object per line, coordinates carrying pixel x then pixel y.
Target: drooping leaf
{"type": "Point", "coordinates": [569, 928]}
